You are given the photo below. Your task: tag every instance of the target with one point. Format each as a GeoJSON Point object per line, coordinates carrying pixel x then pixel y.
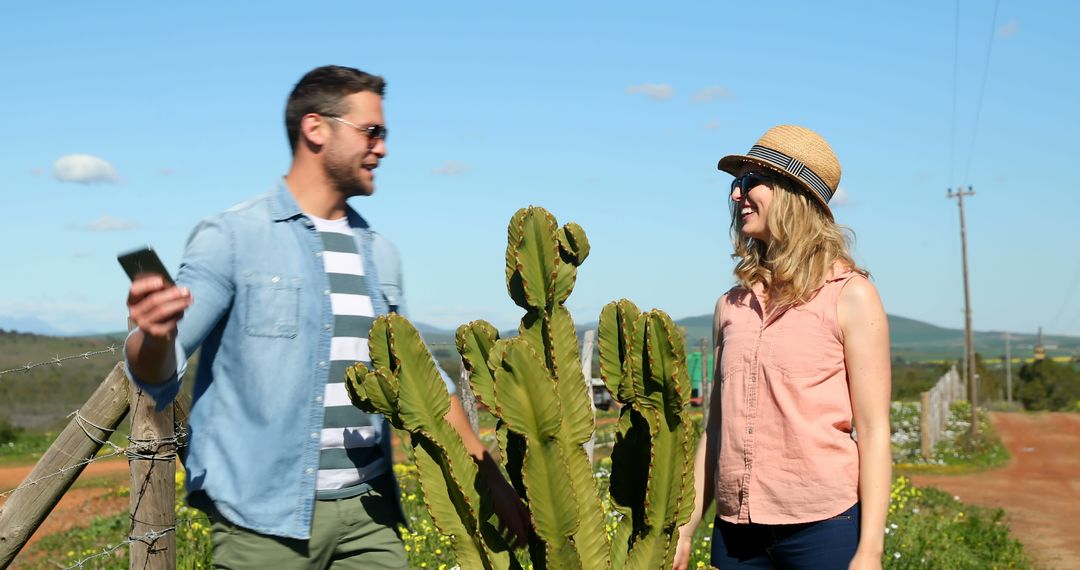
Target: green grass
{"type": "Point", "coordinates": [956, 453]}
{"type": "Point", "coordinates": [28, 447]}
{"type": "Point", "coordinates": [926, 529]}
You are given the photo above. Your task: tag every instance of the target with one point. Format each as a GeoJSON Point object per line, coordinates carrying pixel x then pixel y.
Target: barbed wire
{"type": "Point", "coordinates": [57, 360]}
{"type": "Point", "coordinates": [138, 449]}
{"type": "Point", "coordinates": [149, 538]}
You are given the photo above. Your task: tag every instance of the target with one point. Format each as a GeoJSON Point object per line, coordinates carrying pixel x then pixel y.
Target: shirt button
{"type": "Point", "coordinates": [326, 326]}
{"type": "Point", "coordinates": [309, 470]}
{"type": "Point", "coordinates": [275, 279]}
{"type": "Point", "coordinates": [322, 364]}
{"type": "Point", "coordinates": [318, 254]}
{"type": "Point", "coordinates": [326, 292]}
{"type": "Point", "coordinates": [314, 435]}
{"type": "Point", "coordinates": [318, 399]}
{"type": "Point", "coordinates": [749, 429]}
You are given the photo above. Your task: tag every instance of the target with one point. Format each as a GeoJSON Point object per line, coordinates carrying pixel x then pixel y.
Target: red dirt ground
{"type": "Point", "coordinates": [1039, 490]}
{"type": "Point", "coordinates": [79, 505]}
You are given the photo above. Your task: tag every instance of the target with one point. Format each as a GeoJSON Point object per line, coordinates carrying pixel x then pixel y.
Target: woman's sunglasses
{"type": "Point", "coordinates": [750, 180]}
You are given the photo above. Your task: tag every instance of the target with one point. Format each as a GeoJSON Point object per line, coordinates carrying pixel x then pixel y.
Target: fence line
{"type": "Point", "coordinates": [57, 360]}
{"type": "Point", "coordinates": [936, 403]}
{"type": "Point", "coordinates": [148, 538]}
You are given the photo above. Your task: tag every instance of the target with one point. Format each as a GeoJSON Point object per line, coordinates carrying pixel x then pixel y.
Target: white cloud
{"type": "Point", "coordinates": [84, 169]}
{"type": "Point", "coordinates": [654, 91]}
{"type": "Point", "coordinates": [105, 223]}
{"type": "Point", "coordinates": [840, 198]}
{"type": "Point", "coordinates": [711, 93]}
{"type": "Point", "coordinates": [452, 168]}
{"type": "Point", "coordinates": [1009, 30]}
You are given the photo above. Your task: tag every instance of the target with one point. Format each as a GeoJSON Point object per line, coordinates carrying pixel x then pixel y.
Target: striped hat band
{"type": "Point", "coordinates": [794, 167]}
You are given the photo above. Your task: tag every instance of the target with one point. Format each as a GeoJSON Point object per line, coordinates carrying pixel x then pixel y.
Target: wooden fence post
{"type": "Point", "coordinates": [586, 369]}
{"type": "Point", "coordinates": [152, 456]}
{"type": "Point", "coordinates": [68, 455]}
{"type": "Point", "coordinates": [468, 400]}
{"type": "Point", "coordinates": [924, 426]}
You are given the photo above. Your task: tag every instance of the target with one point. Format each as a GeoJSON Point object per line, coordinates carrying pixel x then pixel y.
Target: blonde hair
{"type": "Point", "coordinates": [803, 247]}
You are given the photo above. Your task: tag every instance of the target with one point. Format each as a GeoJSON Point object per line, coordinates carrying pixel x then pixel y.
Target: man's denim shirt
{"type": "Point", "coordinates": [262, 316]}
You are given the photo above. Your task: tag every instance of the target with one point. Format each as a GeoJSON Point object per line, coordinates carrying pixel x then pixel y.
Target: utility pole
{"type": "Point", "coordinates": [969, 345]}
{"type": "Point", "coordinates": [1008, 368]}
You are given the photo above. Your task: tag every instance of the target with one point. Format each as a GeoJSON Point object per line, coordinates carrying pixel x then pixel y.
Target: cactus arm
{"type": "Point", "coordinates": [532, 258]}
{"type": "Point", "coordinates": [573, 244]}
{"type": "Point", "coordinates": [577, 428]}
{"type": "Point", "coordinates": [407, 387]}
{"type": "Point", "coordinates": [618, 343]}
{"type": "Point", "coordinates": [449, 504]}
{"type": "Point", "coordinates": [611, 347]}
{"type": "Point", "coordinates": [573, 393]}
{"type": "Point", "coordinates": [474, 342]}
{"type": "Point", "coordinates": [531, 409]}
{"type": "Point", "coordinates": [372, 392]}
{"type": "Point", "coordinates": [573, 249]}
{"type": "Point", "coordinates": [354, 387]}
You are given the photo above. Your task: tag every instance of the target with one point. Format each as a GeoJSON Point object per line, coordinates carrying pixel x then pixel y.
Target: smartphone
{"type": "Point", "coordinates": [143, 260]}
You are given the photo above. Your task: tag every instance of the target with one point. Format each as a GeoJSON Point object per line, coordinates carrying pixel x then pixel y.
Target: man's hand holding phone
{"type": "Point", "coordinates": [155, 305]}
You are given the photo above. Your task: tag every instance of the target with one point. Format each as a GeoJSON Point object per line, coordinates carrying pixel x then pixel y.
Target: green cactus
{"type": "Point", "coordinates": [406, 387]}
{"type": "Point", "coordinates": [643, 363]}
{"type": "Point", "coordinates": [534, 385]}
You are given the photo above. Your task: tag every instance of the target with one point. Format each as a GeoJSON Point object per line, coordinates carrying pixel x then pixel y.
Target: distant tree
{"type": "Point", "coordinates": [991, 382]}
{"type": "Point", "coordinates": [910, 379]}
{"type": "Point", "coordinates": [8, 432]}
{"type": "Point", "coordinates": [1047, 385]}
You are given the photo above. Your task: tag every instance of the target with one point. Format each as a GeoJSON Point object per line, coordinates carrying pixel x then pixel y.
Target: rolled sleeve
{"type": "Point", "coordinates": [165, 392]}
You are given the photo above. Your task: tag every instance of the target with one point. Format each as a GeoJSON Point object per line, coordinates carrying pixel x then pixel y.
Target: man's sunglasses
{"type": "Point", "coordinates": [750, 180]}
{"type": "Point", "coordinates": [373, 132]}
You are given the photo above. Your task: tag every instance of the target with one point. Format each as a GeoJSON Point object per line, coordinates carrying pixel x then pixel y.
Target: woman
{"type": "Point", "coordinates": [802, 347]}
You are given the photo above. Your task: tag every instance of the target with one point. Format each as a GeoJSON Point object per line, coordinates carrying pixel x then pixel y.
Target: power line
{"type": "Point", "coordinates": [982, 90]}
{"type": "Point", "coordinates": [1068, 298]}
{"type": "Point", "coordinates": [955, 82]}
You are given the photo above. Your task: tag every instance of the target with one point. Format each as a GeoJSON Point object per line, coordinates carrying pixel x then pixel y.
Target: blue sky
{"type": "Point", "coordinates": [612, 115]}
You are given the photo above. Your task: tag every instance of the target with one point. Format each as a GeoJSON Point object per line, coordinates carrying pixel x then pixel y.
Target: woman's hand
{"type": "Point", "coordinates": [682, 553]}
{"type": "Point", "coordinates": [865, 560]}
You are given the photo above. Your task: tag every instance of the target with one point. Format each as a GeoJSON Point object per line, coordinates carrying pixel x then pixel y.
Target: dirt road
{"type": "Point", "coordinates": [79, 505]}
{"type": "Point", "coordinates": [1039, 489]}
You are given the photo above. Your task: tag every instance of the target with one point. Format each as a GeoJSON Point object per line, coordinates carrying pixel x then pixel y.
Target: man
{"type": "Point", "coordinates": [280, 292]}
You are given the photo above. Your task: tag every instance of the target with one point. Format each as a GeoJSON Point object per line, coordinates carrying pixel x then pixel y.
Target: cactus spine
{"type": "Point", "coordinates": [405, 386]}
{"type": "Point", "coordinates": [643, 363]}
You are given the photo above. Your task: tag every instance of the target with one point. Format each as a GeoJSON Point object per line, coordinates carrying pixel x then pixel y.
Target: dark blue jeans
{"type": "Point", "coordinates": [823, 544]}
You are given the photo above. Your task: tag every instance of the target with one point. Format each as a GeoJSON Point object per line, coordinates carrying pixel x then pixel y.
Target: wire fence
{"type": "Point", "coordinates": [156, 450]}
{"type": "Point", "coordinates": [58, 360]}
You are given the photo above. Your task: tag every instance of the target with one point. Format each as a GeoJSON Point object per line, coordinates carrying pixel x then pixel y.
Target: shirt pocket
{"type": "Point", "coordinates": [272, 305]}
{"type": "Point", "coordinates": [800, 357]}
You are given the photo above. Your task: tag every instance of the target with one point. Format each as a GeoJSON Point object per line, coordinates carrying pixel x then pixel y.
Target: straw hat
{"type": "Point", "coordinates": [798, 154]}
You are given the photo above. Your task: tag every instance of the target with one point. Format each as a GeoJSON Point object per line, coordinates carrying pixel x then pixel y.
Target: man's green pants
{"type": "Point", "coordinates": [355, 533]}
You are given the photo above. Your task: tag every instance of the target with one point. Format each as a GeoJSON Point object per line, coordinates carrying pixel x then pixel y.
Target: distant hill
{"type": "Point", "coordinates": [919, 341]}
{"type": "Point", "coordinates": [911, 340]}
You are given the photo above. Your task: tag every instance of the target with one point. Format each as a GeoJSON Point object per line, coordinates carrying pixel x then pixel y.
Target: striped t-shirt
{"type": "Point", "coordinates": [350, 453]}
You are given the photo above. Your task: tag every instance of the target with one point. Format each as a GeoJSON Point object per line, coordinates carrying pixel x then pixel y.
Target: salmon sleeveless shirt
{"type": "Point", "coordinates": [786, 452]}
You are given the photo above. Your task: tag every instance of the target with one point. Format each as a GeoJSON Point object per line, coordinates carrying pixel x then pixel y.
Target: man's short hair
{"type": "Point", "coordinates": [322, 90]}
